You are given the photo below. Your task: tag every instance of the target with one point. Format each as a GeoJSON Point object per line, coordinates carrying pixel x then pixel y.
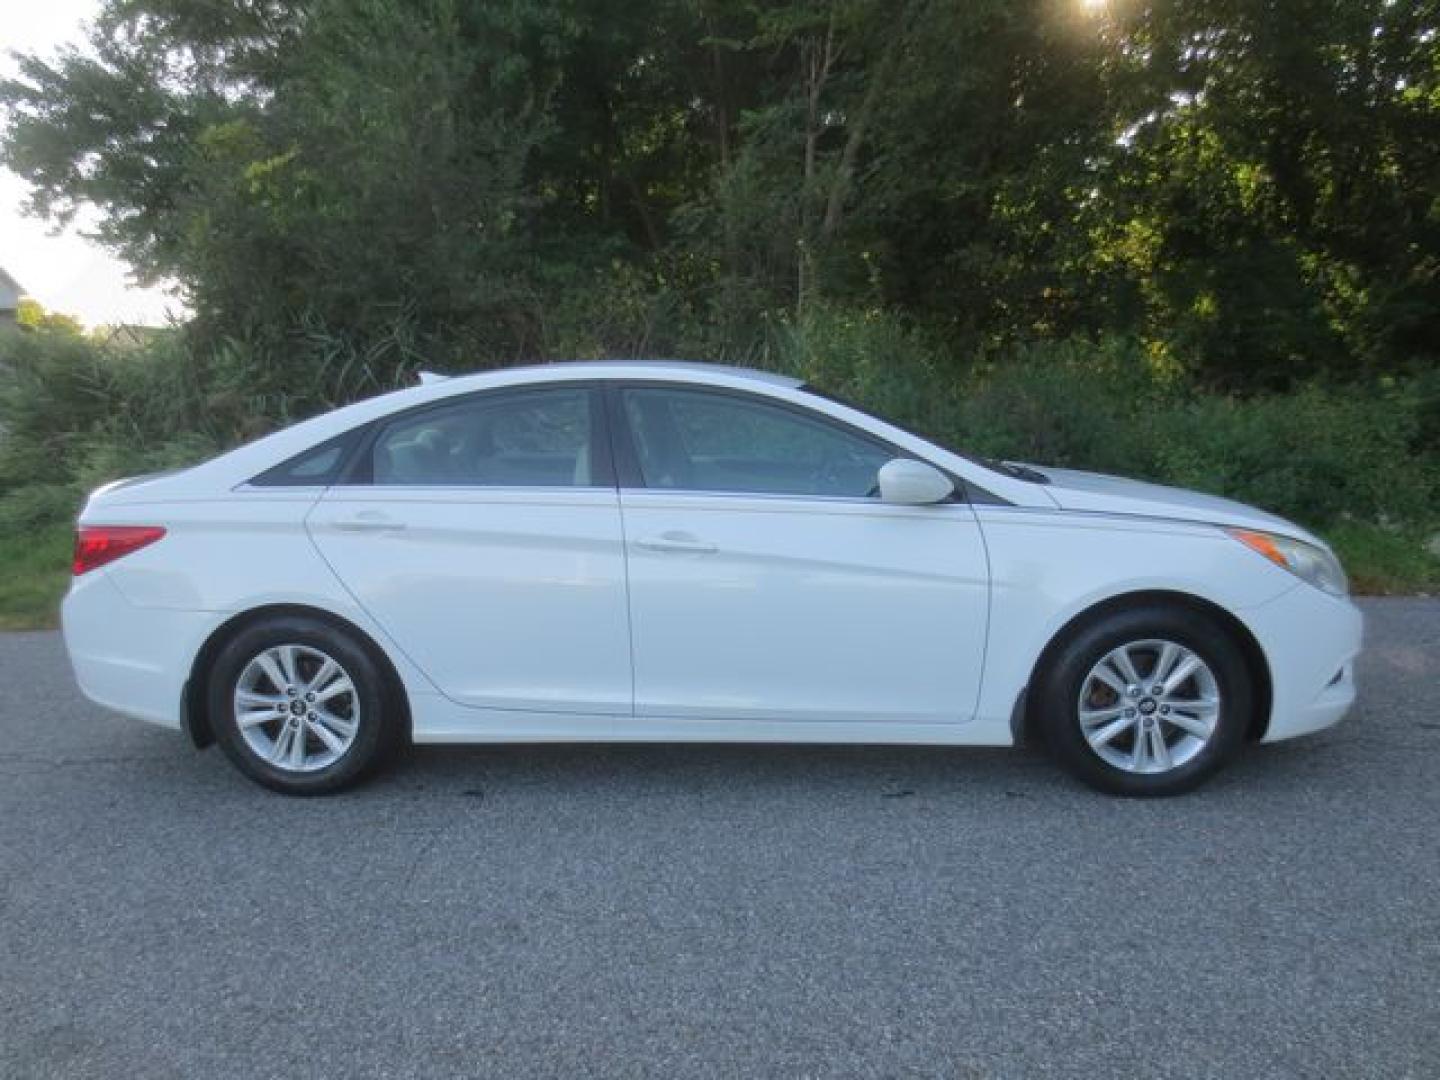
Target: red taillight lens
{"type": "Point", "coordinates": [96, 545]}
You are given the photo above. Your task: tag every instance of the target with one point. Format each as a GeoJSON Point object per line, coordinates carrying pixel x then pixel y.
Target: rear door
{"type": "Point", "coordinates": [484, 536]}
{"type": "Point", "coordinates": [768, 582]}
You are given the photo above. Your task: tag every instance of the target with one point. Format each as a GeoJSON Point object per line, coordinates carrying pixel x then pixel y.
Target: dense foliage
{"type": "Point", "coordinates": [1251, 189]}
{"type": "Point", "coordinates": [1194, 241]}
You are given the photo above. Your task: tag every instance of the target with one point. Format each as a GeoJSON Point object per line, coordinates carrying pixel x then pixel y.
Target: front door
{"type": "Point", "coordinates": [768, 582]}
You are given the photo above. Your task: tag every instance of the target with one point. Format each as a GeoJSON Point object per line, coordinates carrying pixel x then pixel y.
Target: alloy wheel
{"type": "Point", "coordinates": [1149, 706]}
{"type": "Point", "coordinates": [297, 709]}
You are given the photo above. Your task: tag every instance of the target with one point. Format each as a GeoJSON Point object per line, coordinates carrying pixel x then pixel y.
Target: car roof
{"type": "Point", "coordinates": [623, 369]}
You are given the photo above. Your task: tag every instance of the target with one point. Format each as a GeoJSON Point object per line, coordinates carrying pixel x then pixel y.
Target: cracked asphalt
{"type": "Point", "coordinates": [668, 911]}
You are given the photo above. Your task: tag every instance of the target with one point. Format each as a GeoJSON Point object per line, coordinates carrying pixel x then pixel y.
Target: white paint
{"type": "Point", "coordinates": [913, 483]}
{"type": "Point", "coordinates": [597, 614]}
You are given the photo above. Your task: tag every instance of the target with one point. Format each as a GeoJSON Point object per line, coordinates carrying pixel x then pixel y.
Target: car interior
{"type": "Point", "coordinates": [707, 442]}
{"type": "Point", "coordinates": [685, 441]}
{"type": "Point", "coordinates": [532, 445]}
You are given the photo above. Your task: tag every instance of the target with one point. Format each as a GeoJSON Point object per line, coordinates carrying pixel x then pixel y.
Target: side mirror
{"type": "Point", "coordinates": [913, 483]}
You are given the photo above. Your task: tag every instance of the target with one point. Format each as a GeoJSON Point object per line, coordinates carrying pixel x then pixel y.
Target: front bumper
{"type": "Point", "coordinates": [1310, 640]}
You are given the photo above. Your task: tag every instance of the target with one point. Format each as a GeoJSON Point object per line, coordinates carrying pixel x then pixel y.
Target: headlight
{"type": "Point", "coordinates": [1305, 561]}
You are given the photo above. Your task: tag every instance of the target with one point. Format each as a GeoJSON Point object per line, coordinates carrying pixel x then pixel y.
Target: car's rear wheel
{"type": "Point", "coordinates": [300, 706]}
{"type": "Point", "coordinates": [1146, 701]}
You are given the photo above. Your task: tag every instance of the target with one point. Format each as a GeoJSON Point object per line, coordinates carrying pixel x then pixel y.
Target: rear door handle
{"type": "Point", "coordinates": [680, 542]}
{"type": "Point", "coordinates": [368, 521]}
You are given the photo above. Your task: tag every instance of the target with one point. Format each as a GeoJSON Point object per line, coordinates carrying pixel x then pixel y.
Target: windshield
{"type": "Point", "coordinates": [1004, 468]}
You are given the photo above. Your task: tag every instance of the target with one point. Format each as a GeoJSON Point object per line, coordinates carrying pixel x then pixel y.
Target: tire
{"type": "Point", "coordinates": [1083, 715]}
{"type": "Point", "coordinates": [312, 745]}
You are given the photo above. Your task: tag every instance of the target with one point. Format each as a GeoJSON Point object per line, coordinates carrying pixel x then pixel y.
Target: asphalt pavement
{"type": "Point", "coordinates": [693, 911]}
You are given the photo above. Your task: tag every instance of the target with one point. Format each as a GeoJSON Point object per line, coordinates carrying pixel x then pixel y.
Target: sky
{"type": "Point", "coordinates": [65, 273]}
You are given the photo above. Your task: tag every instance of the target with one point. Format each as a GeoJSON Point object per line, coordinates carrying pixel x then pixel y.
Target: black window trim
{"type": "Point", "coordinates": [627, 460]}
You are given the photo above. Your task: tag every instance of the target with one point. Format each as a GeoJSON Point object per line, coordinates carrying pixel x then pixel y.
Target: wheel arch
{"type": "Point", "coordinates": [1022, 719]}
{"type": "Point", "coordinates": [194, 714]}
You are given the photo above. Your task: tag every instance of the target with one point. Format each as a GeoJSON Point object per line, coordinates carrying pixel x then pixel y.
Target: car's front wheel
{"type": "Point", "coordinates": [300, 706]}
{"type": "Point", "coordinates": [1147, 701]}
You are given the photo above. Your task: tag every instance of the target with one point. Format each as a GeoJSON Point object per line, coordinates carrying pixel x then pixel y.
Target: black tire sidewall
{"type": "Point", "coordinates": [372, 740]}
{"type": "Point", "coordinates": [1061, 684]}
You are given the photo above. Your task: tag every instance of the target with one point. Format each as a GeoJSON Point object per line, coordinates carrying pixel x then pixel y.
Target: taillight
{"type": "Point", "coordinates": [96, 545]}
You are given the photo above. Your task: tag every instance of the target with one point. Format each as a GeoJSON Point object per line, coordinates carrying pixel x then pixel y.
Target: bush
{"type": "Point", "coordinates": [1320, 455]}
{"type": "Point", "coordinates": [1324, 454]}
{"type": "Point", "coordinates": [1069, 404]}
{"type": "Point", "coordinates": [872, 359]}
{"type": "Point", "coordinates": [75, 413]}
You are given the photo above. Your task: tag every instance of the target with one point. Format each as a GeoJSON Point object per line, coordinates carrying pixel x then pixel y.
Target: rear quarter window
{"type": "Point", "coordinates": [320, 466]}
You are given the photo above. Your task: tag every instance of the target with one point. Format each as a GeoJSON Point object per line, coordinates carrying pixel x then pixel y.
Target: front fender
{"type": "Point", "coordinates": [1049, 568]}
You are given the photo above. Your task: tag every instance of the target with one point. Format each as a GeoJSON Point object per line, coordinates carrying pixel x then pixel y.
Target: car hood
{"type": "Point", "coordinates": [1098, 493]}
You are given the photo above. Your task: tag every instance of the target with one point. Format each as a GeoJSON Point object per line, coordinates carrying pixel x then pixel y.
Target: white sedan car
{"type": "Point", "coordinates": [665, 552]}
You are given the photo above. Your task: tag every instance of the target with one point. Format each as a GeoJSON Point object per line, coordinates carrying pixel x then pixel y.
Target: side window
{"type": "Point", "coordinates": [532, 438]}
{"type": "Point", "coordinates": [316, 467]}
{"type": "Point", "coordinates": [693, 440]}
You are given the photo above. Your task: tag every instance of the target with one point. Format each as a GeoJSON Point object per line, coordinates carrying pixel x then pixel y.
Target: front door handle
{"type": "Point", "coordinates": [368, 521]}
{"type": "Point", "coordinates": [681, 542]}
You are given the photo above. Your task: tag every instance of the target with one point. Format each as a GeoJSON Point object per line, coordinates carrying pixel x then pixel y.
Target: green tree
{"type": "Point", "coordinates": [1274, 199]}
{"type": "Point", "coordinates": [1250, 189]}
{"type": "Point", "coordinates": [33, 316]}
